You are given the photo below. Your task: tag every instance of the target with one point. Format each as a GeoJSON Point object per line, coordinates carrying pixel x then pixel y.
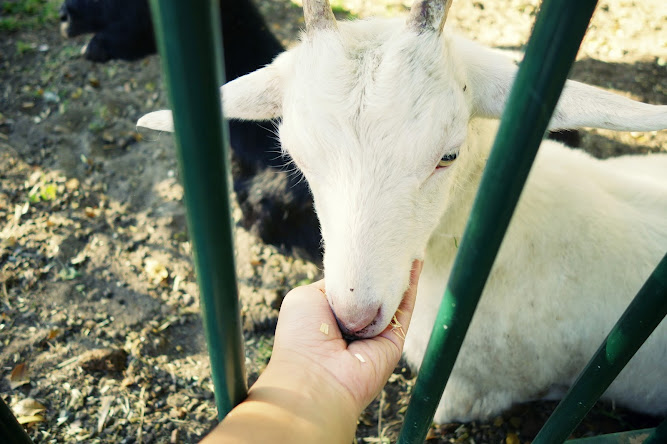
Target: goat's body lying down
{"type": "Point", "coordinates": [585, 236]}
{"type": "Point", "coordinates": [389, 124]}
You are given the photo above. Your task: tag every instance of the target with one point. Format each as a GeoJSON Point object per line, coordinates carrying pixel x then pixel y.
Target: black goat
{"type": "Point", "coordinates": [276, 206]}
{"type": "Point", "coordinates": [122, 28]}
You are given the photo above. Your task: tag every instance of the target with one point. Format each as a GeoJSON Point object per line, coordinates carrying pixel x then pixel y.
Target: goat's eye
{"type": "Point", "coordinates": [446, 160]}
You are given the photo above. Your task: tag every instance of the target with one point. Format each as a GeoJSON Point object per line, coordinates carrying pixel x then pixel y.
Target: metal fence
{"type": "Point", "coordinates": [188, 35]}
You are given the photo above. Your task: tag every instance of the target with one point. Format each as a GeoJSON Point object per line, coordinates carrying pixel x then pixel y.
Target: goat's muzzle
{"type": "Point", "coordinates": [355, 321]}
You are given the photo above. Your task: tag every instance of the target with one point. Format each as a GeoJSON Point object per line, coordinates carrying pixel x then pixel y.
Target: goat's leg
{"type": "Point", "coordinates": [126, 40]}
{"type": "Point", "coordinates": [462, 401]}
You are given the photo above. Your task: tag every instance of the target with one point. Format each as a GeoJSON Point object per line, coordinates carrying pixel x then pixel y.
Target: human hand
{"type": "Point", "coordinates": [316, 384]}
{"type": "Point", "coordinates": [358, 369]}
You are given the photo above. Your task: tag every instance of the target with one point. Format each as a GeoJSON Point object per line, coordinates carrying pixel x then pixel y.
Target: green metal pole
{"type": "Point", "coordinates": [633, 436]}
{"type": "Point", "coordinates": [559, 29]}
{"type": "Point", "coordinates": [189, 39]}
{"type": "Point", "coordinates": [10, 430]}
{"type": "Point", "coordinates": [659, 434]}
{"type": "Point", "coordinates": [642, 316]}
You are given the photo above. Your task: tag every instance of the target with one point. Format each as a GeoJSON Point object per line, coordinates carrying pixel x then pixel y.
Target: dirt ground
{"type": "Point", "coordinates": [100, 334]}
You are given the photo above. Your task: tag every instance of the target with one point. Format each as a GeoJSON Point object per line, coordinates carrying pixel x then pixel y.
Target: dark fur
{"type": "Point", "coordinates": [122, 28]}
{"type": "Point", "coordinates": [276, 206]}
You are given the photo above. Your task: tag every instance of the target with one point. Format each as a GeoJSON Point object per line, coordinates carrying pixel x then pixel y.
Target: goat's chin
{"type": "Point", "coordinates": [387, 312]}
{"type": "Point", "coordinates": [379, 325]}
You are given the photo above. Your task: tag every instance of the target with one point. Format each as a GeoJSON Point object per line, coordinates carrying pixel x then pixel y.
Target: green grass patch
{"type": "Point", "coordinates": [23, 47]}
{"type": "Point", "coordinates": [101, 120]}
{"type": "Point", "coordinates": [264, 349]}
{"type": "Point", "coordinates": [9, 24]}
{"type": "Point", "coordinates": [70, 52]}
{"type": "Point", "coordinates": [28, 14]}
{"type": "Point", "coordinates": [44, 192]}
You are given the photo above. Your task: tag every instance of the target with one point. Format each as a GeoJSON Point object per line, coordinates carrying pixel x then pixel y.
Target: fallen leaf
{"type": "Point", "coordinates": [91, 212]}
{"type": "Point", "coordinates": [19, 376]}
{"type": "Point", "coordinates": [28, 407]}
{"type": "Point", "coordinates": [10, 241]}
{"type": "Point", "coordinates": [29, 419]}
{"type": "Point", "coordinates": [53, 333]}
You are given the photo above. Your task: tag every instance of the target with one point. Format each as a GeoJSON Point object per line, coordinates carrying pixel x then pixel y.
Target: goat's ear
{"type": "Point", "coordinates": [581, 105]}
{"type": "Point", "coordinates": [255, 96]}
{"type": "Point", "coordinates": [258, 95]}
{"type": "Point", "coordinates": [157, 120]}
{"type": "Point", "coordinates": [490, 75]}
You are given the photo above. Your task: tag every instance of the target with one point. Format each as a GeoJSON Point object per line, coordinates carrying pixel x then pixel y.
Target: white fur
{"type": "Point", "coordinates": [368, 111]}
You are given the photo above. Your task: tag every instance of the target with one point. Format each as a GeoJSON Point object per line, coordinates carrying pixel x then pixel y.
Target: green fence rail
{"type": "Point", "coordinates": [643, 315]}
{"type": "Point", "coordinates": [189, 39]}
{"type": "Point", "coordinates": [644, 436]}
{"type": "Point", "coordinates": [559, 29]}
{"type": "Point", "coordinates": [659, 434]}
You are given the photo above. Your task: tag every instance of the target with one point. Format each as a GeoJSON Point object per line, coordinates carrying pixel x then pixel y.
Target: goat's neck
{"type": "Point", "coordinates": [444, 241]}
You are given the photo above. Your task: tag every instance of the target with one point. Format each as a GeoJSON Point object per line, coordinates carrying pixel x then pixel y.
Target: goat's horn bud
{"type": "Point", "coordinates": [428, 15]}
{"type": "Point", "coordinates": [318, 15]}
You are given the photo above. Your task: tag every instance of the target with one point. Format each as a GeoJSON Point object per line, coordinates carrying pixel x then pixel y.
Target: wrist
{"type": "Point", "coordinates": [290, 404]}
{"type": "Point", "coordinates": [321, 406]}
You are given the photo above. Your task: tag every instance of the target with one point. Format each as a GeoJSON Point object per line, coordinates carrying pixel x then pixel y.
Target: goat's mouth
{"type": "Point", "coordinates": [384, 321]}
{"type": "Point", "coordinates": [378, 325]}
{"type": "Point", "coordinates": [367, 331]}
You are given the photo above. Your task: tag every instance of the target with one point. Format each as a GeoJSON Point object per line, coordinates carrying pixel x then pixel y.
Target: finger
{"type": "Point", "coordinates": [306, 312]}
{"type": "Point", "coordinates": [407, 306]}
{"type": "Point", "coordinates": [309, 296]}
{"type": "Point", "coordinates": [399, 325]}
{"type": "Point", "coordinates": [319, 285]}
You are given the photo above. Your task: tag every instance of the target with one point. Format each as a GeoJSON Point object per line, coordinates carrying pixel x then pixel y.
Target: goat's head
{"type": "Point", "coordinates": [376, 114]}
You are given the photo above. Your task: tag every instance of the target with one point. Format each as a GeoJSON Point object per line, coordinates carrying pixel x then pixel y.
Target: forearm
{"type": "Point", "coordinates": [289, 405]}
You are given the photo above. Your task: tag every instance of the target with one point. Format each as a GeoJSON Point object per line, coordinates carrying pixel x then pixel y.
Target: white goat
{"type": "Point", "coordinates": [391, 124]}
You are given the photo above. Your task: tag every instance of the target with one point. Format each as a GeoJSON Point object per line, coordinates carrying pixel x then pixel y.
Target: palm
{"type": "Point", "coordinates": [361, 367]}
